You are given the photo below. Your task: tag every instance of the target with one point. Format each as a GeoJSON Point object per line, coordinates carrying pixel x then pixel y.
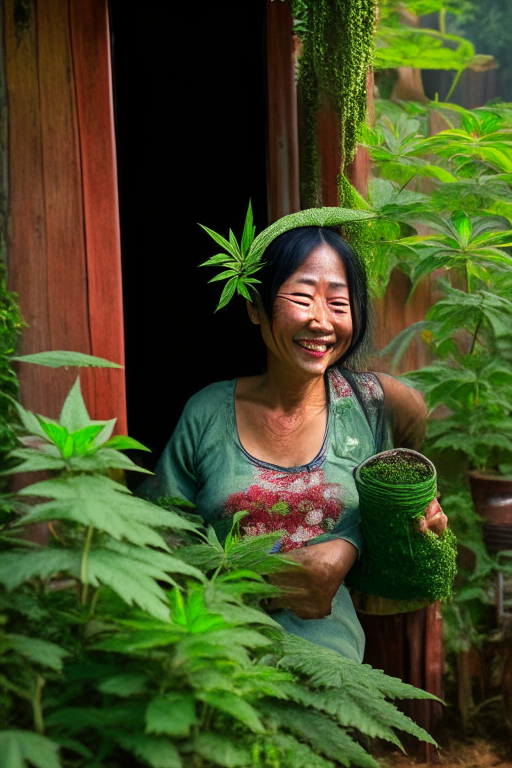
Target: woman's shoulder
{"type": "Point", "coordinates": [400, 396]}
{"type": "Point", "coordinates": [406, 410]}
{"type": "Point", "coordinates": [209, 399]}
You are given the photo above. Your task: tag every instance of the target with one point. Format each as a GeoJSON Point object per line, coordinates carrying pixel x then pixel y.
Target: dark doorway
{"type": "Point", "coordinates": [190, 98]}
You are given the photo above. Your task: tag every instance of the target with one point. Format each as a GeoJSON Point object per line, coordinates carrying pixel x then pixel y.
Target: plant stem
{"type": "Point", "coordinates": [94, 601]}
{"type": "Point", "coordinates": [454, 84]}
{"type": "Point", "coordinates": [83, 567]}
{"type": "Point", "coordinates": [475, 334]}
{"type": "Point", "coordinates": [36, 705]}
{"type": "Point", "coordinates": [442, 21]}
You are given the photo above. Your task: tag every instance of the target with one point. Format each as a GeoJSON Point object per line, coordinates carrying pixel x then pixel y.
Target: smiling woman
{"type": "Point", "coordinates": [282, 446]}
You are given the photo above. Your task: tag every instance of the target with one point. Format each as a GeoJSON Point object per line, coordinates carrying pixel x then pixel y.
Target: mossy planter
{"type": "Point", "coordinates": [400, 563]}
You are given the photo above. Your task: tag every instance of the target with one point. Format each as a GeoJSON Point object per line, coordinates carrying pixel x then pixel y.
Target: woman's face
{"type": "Point", "coordinates": [312, 321]}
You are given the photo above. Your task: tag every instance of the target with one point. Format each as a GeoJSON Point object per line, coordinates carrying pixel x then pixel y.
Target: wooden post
{"type": "Point", "coordinates": [64, 248]}
{"type": "Point", "coordinates": [283, 143]}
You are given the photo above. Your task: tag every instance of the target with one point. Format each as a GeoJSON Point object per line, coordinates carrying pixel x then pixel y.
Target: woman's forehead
{"type": "Point", "coordinates": [323, 264]}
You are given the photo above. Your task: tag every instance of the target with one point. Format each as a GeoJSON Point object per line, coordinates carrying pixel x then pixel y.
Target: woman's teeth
{"type": "Point", "coordinates": [313, 346]}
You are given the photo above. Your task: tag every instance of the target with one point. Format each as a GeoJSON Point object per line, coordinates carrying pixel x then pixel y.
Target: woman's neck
{"type": "Point", "coordinates": [288, 393]}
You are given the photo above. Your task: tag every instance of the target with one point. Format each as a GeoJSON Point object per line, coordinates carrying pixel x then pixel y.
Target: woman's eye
{"type": "Point", "coordinates": [339, 305]}
{"type": "Point", "coordinates": [301, 298]}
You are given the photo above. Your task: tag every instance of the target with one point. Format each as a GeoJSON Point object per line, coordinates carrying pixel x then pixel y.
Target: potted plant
{"type": "Point", "coordinates": [469, 388]}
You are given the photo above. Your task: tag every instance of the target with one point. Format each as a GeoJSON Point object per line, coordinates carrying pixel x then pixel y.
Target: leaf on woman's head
{"type": "Point", "coordinates": [60, 358]}
{"type": "Point", "coordinates": [249, 230]}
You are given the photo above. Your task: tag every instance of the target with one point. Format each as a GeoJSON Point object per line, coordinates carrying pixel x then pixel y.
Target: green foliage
{"type": "Point", "coordinates": [117, 651]}
{"type": "Point", "coordinates": [63, 358]}
{"type": "Point", "coordinates": [337, 52]}
{"type": "Point", "coordinates": [10, 327]}
{"type": "Point", "coordinates": [244, 261]}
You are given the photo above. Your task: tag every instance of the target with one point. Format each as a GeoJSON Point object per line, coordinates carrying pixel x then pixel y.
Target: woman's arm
{"type": "Point", "coordinates": [312, 587]}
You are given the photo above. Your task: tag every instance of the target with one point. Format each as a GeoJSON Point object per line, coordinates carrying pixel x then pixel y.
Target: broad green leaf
{"type": "Point", "coordinates": [134, 581]}
{"type": "Point", "coordinates": [60, 358]}
{"type": "Point", "coordinates": [18, 567]}
{"type": "Point", "coordinates": [157, 559]}
{"type": "Point", "coordinates": [20, 749]}
{"type": "Point", "coordinates": [172, 714]}
{"type": "Point", "coordinates": [30, 421]}
{"type": "Point", "coordinates": [242, 290]}
{"type": "Point", "coordinates": [123, 443]}
{"type": "Point", "coordinates": [322, 733]}
{"type": "Point", "coordinates": [248, 233]}
{"type": "Point", "coordinates": [219, 258]}
{"type": "Point", "coordinates": [125, 685]}
{"type": "Point", "coordinates": [221, 241]}
{"type": "Point", "coordinates": [84, 439]}
{"type": "Point", "coordinates": [227, 293]}
{"type": "Point", "coordinates": [39, 651]}
{"type": "Point", "coordinates": [158, 752]}
{"type": "Point", "coordinates": [105, 458]}
{"type": "Point", "coordinates": [234, 244]}
{"type": "Point", "coordinates": [34, 461]}
{"type": "Point", "coordinates": [74, 415]}
{"type": "Point", "coordinates": [462, 224]}
{"type": "Point", "coordinates": [58, 435]}
{"type": "Point", "coordinates": [224, 275]}
{"type": "Point", "coordinates": [103, 504]}
{"type": "Point", "coordinates": [236, 706]}
{"type": "Point", "coordinates": [221, 750]}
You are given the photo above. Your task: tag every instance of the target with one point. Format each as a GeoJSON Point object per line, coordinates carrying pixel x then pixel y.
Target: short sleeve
{"type": "Point", "coordinates": [346, 528]}
{"type": "Point", "coordinates": [175, 473]}
{"type": "Point", "coordinates": [405, 411]}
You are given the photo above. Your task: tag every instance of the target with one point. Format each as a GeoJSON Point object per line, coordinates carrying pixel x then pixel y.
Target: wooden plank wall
{"type": "Point", "coordinates": [64, 257]}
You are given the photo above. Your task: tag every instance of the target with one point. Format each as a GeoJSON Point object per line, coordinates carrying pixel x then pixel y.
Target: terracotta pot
{"type": "Point", "coordinates": [492, 497]}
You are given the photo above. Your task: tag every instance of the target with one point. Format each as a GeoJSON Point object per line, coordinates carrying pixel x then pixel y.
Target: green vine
{"type": "Point", "coordinates": [337, 52]}
{"type": "Point", "coordinates": [10, 328]}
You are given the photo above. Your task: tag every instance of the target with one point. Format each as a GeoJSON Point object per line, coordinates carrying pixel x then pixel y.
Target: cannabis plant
{"type": "Point", "coordinates": [119, 649]}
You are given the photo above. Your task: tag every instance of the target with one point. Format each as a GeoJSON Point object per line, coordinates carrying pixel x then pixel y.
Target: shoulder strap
{"type": "Point", "coordinates": [377, 424]}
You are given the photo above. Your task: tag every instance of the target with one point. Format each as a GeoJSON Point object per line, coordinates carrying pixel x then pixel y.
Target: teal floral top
{"type": "Point", "coordinates": [205, 463]}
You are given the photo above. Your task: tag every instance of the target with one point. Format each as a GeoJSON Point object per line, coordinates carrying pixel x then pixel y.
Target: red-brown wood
{"type": "Point", "coordinates": [283, 149]}
{"type": "Point", "coordinates": [63, 248]}
{"type": "Point", "coordinates": [329, 150]}
{"type": "Point", "coordinates": [93, 82]}
{"type": "Point", "coordinates": [27, 223]}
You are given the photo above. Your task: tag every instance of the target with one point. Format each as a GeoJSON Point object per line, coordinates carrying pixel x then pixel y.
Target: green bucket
{"type": "Point", "coordinates": [399, 562]}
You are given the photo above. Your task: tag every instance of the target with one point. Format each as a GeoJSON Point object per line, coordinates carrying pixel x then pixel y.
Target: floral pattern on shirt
{"type": "Point", "coordinates": [300, 505]}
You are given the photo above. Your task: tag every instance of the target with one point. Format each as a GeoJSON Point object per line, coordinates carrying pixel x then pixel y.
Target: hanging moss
{"type": "Point", "coordinates": [337, 51]}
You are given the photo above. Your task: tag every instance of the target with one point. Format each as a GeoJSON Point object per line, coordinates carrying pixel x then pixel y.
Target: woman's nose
{"type": "Point", "coordinates": [319, 317]}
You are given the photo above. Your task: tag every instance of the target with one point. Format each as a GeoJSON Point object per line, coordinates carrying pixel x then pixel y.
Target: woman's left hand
{"type": "Point", "coordinates": [434, 520]}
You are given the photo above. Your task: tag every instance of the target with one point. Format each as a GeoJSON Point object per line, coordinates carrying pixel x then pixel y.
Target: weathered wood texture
{"type": "Point", "coordinates": [283, 143]}
{"type": "Point", "coordinates": [64, 256]}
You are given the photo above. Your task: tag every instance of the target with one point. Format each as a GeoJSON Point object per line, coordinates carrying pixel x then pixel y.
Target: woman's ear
{"type": "Point", "coordinates": [253, 312]}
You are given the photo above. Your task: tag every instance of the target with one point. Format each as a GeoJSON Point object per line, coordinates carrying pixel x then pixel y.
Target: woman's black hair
{"type": "Point", "coordinates": [284, 256]}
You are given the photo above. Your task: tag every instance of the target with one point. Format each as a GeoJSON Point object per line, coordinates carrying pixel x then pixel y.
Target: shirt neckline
{"type": "Point", "coordinates": [310, 466]}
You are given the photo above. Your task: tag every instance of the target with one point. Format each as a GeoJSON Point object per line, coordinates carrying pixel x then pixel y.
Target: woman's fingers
{"type": "Point", "coordinates": [435, 519]}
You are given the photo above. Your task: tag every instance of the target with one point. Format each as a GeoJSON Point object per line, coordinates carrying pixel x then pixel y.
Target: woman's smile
{"type": "Point", "coordinates": [315, 347]}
